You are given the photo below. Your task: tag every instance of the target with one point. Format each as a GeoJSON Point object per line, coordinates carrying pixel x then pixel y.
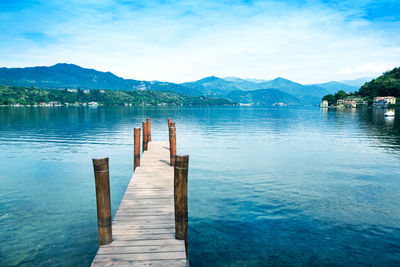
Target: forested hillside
{"type": "Point", "coordinates": [10, 95]}
{"type": "Point", "coordinates": [387, 84]}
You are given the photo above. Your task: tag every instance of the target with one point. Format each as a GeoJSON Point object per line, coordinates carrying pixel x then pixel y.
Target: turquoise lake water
{"type": "Point", "coordinates": [267, 186]}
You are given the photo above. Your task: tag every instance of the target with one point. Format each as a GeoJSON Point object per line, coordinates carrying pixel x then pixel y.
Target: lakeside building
{"type": "Point", "coordinates": [53, 104]}
{"type": "Point", "coordinates": [346, 103]}
{"type": "Point", "coordinates": [324, 104]}
{"type": "Point", "coordinates": [351, 102]}
{"type": "Point", "coordinates": [384, 101]}
{"type": "Point", "coordinates": [279, 104]}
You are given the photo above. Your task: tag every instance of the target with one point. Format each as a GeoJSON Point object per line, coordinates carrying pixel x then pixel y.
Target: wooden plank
{"type": "Point", "coordinates": [144, 225]}
{"type": "Point", "coordinates": [159, 242]}
{"type": "Point", "coordinates": [155, 210]}
{"type": "Point", "coordinates": [152, 212]}
{"type": "Point", "coordinates": [145, 200]}
{"type": "Point", "coordinates": [120, 231]}
{"type": "Point", "coordinates": [141, 249]}
{"type": "Point", "coordinates": [129, 217]}
{"type": "Point", "coordinates": [129, 225]}
{"type": "Point", "coordinates": [143, 222]}
{"type": "Point", "coordinates": [142, 256]}
{"type": "Point", "coordinates": [134, 237]}
{"type": "Point", "coordinates": [163, 196]}
{"type": "Point", "coordinates": [120, 263]}
{"type": "Point", "coordinates": [160, 217]}
{"type": "Point", "coordinates": [144, 204]}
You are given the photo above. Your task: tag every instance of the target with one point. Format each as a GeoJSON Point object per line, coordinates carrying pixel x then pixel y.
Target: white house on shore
{"type": "Point", "coordinates": [324, 104]}
{"type": "Point", "coordinates": [384, 101]}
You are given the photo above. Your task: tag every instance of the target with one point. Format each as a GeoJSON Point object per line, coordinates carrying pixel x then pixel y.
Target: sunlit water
{"type": "Point", "coordinates": [267, 186]}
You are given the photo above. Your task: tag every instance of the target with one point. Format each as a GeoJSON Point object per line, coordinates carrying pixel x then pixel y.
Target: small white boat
{"type": "Point", "coordinates": [389, 114]}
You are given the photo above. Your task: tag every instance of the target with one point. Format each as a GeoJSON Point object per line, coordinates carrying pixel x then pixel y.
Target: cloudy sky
{"type": "Point", "coordinates": [305, 41]}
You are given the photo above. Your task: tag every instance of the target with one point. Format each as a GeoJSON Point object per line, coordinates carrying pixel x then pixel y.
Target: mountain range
{"type": "Point", "coordinates": [261, 92]}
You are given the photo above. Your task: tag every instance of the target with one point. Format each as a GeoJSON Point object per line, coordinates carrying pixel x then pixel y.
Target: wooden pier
{"type": "Point", "coordinates": [143, 229]}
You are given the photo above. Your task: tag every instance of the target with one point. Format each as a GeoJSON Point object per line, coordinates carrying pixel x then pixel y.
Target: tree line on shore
{"type": "Point", "coordinates": [11, 95]}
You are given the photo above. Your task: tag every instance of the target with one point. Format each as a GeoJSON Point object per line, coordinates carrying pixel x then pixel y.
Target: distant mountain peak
{"type": "Point", "coordinates": [281, 79]}
{"type": "Point", "coordinates": [234, 79]}
{"type": "Point", "coordinates": [210, 79]}
{"type": "Point", "coordinates": [74, 67]}
{"type": "Point", "coordinates": [65, 64]}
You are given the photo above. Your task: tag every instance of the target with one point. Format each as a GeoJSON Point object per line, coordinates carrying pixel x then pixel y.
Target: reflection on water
{"type": "Point", "coordinates": [279, 186]}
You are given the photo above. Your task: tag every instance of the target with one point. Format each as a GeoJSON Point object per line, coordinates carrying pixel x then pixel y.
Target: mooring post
{"type": "Point", "coordinates": [148, 130]}
{"type": "Point", "coordinates": [172, 145]}
{"type": "Point", "coordinates": [169, 122]}
{"type": "Point", "coordinates": [136, 153]}
{"type": "Point", "coordinates": [172, 125]}
{"type": "Point", "coordinates": [102, 180]}
{"type": "Point", "coordinates": [180, 198]}
{"type": "Point", "coordinates": [144, 126]}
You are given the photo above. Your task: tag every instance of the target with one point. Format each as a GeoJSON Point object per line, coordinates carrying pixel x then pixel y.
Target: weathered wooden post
{"type": "Point", "coordinates": [172, 124]}
{"type": "Point", "coordinates": [102, 180]}
{"type": "Point", "coordinates": [148, 130]}
{"type": "Point", "coordinates": [144, 126]}
{"type": "Point", "coordinates": [136, 153]}
{"type": "Point", "coordinates": [169, 122]}
{"type": "Point", "coordinates": [180, 198]}
{"type": "Point", "coordinates": [172, 145]}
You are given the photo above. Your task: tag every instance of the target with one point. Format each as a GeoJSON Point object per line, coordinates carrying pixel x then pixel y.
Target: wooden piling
{"type": "Point", "coordinates": [102, 180]}
{"type": "Point", "coordinates": [148, 130]}
{"type": "Point", "coordinates": [172, 125]}
{"type": "Point", "coordinates": [144, 126]}
{"type": "Point", "coordinates": [180, 198]}
{"type": "Point", "coordinates": [172, 145]}
{"type": "Point", "coordinates": [136, 154]}
{"type": "Point", "coordinates": [169, 122]}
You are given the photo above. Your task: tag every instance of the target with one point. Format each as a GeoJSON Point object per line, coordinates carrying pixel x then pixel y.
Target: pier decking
{"type": "Point", "coordinates": [143, 229]}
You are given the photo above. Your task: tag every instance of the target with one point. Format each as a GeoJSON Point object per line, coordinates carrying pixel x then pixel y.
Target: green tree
{"type": "Point", "coordinates": [340, 95]}
{"type": "Point", "coordinates": [330, 98]}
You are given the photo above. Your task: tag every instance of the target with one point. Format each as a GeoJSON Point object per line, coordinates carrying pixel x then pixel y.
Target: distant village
{"type": "Point", "coordinates": [355, 102]}
{"type": "Point", "coordinates": [57, 104]}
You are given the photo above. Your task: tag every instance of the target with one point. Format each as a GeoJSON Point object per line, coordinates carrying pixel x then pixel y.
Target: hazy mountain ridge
{"type": "Point", "coordinates": [358, 82]}
{"type": "Point", "coordinates": [214, 86]}
{"type": "Point", "coordinates": [304, 92]}
{"type": "Point", "coordinates": [62, 75]}
{"type": "Point", "coordinates": [263, 97]}
{"type": "Point", "coordinates": [334, 86]}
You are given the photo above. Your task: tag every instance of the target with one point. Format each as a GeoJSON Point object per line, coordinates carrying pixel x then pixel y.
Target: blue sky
{"type": "Point", "coordinates": [305, 41]}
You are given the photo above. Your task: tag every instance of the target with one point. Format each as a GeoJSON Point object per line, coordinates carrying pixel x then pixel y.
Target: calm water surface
{"type": "Point", "coordinates": [268, 186]}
